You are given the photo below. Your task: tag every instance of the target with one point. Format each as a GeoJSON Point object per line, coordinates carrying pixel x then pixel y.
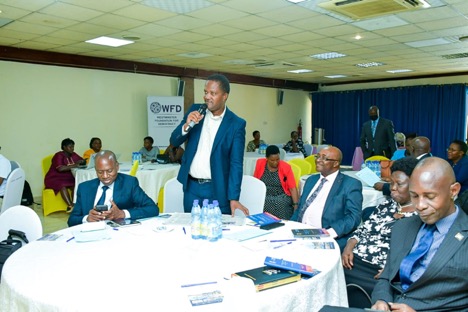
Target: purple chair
{"type": "Point", "coordinates": [358, 159]}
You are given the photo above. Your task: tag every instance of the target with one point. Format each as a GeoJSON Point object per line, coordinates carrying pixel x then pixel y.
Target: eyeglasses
{"type": "Point", "coordinates": [452, 150]}
{"type": "Point", "coordinates": [324, 158]}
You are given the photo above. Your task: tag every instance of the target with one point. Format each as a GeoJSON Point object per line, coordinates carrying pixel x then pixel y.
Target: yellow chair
{"type": "Point", "coordinates": [134, 169]}
{"type": "Point", "coordinates": [297, 173]}
{"type": "Point", "coordinates": [376, 157]}
{"type": "Point", "coordinates": [311, 160]}
{"type": "Point", "coordinates": [161, 200]}
{"type": "Point", "coordinates": [51, 202]}
{"type": "Point", "coordinates": [304, 165]}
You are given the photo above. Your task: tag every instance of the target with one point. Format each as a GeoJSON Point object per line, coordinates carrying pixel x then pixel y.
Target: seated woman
{"type": "Point", "coordinates": [295, 145]}
{"type": "Point", "coordinates": [255, 143]}
{"type": "Point", "coordinates": [174, 153]}
{"type": "Point", "coordinates": [95, 146]}
{"type": "Point", "coordinates": [366, 251]}
{"type": "Point", "coordinates": [400, 140]}
{"type": "Point", "coordinates": [456, 154]}
{"type": "Point", "coordinates": [59, 177]}
{"type": "Point", "coordinates": [281, 192]}
{"type": "Point", "coordinates": [148, 151]}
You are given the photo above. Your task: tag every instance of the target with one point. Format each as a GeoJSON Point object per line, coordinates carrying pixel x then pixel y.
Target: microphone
{"type": "Point", "coordinates": [201, 110]}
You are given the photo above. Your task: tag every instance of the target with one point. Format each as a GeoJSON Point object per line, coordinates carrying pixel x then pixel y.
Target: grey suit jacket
{"type": "Point", "coordinates": [384, 141]}
{"type": "Point", "coordinates": [444, 285]}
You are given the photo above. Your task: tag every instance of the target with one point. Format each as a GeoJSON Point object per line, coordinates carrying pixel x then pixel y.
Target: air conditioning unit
{"type": "Point", "coordinates": [361, 9]}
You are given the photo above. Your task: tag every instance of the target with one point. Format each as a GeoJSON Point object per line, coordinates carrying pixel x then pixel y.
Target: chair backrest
{"type": "Point", "coordinates": [311, 160]}
{"type": "Point", "coordinates": [252, 196]}
{"type": "Point", "coordinates": [308, 149]}
{"type": "Point", "coordinates": [282, 153]}
{"type": "Point", "coordinates": [14, 165]}
{"type": "Point", "coordinates": [23, 219]}
{"type": "Point", "coordinates": [306, 168]}
{"type": "Point", "coordinates": [134, 169]}
{"type": "Point", "coordinates": [297, 172]}
{"type": "Point", "coordinates": [376, 157]}
{"type": "Point", "coordinates": [173, 196]}
{"type": "Point", "coordinates": [46, 163]}
{"type": "Point", "coordinates": [13, 189]}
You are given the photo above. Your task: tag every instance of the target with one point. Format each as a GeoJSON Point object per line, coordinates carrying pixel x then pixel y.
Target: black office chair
{"type": "Point", "coordinates": [358, 297]}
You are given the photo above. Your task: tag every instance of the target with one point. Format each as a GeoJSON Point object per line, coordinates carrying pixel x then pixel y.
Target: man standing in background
{"type": "Point", "coordinates": [212, 165]}
{"type": "Point", "coordinates": [377, 136]}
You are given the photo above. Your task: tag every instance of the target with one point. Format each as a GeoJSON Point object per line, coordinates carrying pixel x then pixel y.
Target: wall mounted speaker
{"type": "Point", "coordinates": [280, 97]}
{"type": "Point", "coordinates": [180, 87]}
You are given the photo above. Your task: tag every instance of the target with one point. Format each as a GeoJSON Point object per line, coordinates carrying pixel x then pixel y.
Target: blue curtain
{"type": "Point", "coordinates": [437, 112]}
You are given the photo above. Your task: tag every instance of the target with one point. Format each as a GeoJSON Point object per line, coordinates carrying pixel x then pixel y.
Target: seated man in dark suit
{"type": "Point", "coordinates": [334, 203]}
{"type": "Point", "coordinates": [120, 192]}
{"type": "Point", "coordinates": [426, 268]}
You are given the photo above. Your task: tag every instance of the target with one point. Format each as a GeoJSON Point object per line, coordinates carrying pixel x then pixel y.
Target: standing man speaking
{"type": "Point", "coordinates": [377, 135]}
{"type": "Point", "coordinates": [212, 165]}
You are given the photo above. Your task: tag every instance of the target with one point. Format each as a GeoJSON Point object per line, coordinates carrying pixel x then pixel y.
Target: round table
{"type": "Point", "coordinates": [250, 160]}
{"type": "Point", "coordinates": [140, 269]}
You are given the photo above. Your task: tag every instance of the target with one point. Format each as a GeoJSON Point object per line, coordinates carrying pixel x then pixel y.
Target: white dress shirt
{"type": "Point", "coordinates": [313, 214]}
{"type": "Point", "coordinates": [200, 167]}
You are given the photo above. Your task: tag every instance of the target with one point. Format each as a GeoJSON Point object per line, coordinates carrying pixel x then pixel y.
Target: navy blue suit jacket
{"type": "Point", "coordinates": [127, 195]}
{"type": "Point", "coordinates": [343, 207]}
{"type": "Point", "coordinates": [227, 155]}
{"type": "Point", "coordinates": [444, 284]}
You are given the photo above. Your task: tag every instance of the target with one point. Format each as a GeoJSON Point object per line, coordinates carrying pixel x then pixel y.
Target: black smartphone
{"type": "Point", "coordinates": [102, 208]}
{"type": "Point", "coordinates": [271, 226]}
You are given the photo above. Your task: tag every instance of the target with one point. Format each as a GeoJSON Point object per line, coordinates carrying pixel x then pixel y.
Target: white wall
{"type": "Point", "coordinates": [41, 105]}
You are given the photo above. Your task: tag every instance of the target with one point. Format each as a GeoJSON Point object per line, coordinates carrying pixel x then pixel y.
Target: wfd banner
{"type": "Point", "coordinates": [164, 114]}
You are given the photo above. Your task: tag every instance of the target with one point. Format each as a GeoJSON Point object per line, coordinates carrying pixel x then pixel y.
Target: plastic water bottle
{"type": "Point", "coordinates": [196, 220]}
{"type": "Point", "coordinates": [212, 225]}
{"type": "Point", "coordinates": [219, 219]}
{"type": "Point", "coordinates": [204, 220]}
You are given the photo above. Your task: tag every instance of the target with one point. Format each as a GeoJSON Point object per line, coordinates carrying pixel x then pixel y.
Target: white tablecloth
{"type": "Point", "coordinates": [139, 269]}
{"type": "Point", "coordinates": [370, 196]}
{"type": "Point", "coordinates": [151, 177]}
{"type": "Point", "coordinates": [250, 160]}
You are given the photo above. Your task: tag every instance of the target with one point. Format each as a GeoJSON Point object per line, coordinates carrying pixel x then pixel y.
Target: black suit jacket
{"type": "Point", "coordinates": [444, 284]}
{"type": "Point", "coordinates": [384, 141]}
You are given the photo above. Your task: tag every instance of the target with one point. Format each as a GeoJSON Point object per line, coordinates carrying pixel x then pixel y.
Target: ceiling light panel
{"type": "Point", "coordinates": [178, 6]}
{"type": "Point", "coordinates": [328, 55]}
{"type": "Point", "coordinates": [108, 41]}
{"type": "Point", "coordinates": [370, 64]}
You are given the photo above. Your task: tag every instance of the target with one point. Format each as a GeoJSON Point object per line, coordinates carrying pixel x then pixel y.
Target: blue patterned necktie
{"type": "Point", "coordinates": [103, 196]}
{"type": "Point", "coordinates": [311, 199]}
{"type": "Point", "coordinates": [409, 263]}
{"type": "Point", "coordinates": [373, 126]}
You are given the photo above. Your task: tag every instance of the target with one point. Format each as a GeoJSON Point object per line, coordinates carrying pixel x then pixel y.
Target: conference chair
{"type": "Point", "coordinates": [297, 173]}
{"type": "Point", "coordinates": [134, 169]}
{"type": "Point", "coordinates": [13, 189]}
{"type": "Point", "coordinates": [308, 149]}
{"type": "Point", "coordinates": [305, 166]}
{"type": "Point", "coordinates": [358, 297]}
{"type": "Point", "coordinates": [20, 218]}
{"type": "Point", "coordinates": [14, 165]}
{"type": "Point", "coordinates": [173, 198]}
{"type": "Point", "coordinates": [51, 202]}
{"type": "Point", "coordinates": [311, 160]}
{"type": "Point", "coordinates": [282, 153]}
{"type": "Point", "coordinates": [252, 196]}
{"type": "Point", "coordinates": [376, 158]}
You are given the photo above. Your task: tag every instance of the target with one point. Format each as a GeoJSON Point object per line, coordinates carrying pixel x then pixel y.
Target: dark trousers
{"type": "Point", "coordinates": [201, 191]}
{"type": "Point", "coordinates": [362, 274]}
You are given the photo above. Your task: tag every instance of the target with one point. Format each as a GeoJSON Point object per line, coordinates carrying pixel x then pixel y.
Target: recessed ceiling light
{"type": "Point", "coordinates": [178, 6]}
{"type": "Point", "coordinates": [336, 76]}
{"type": "Point", "coordinates": [357, 37]}
{"type": "Point", "coordinates": [194, 55]}
{"type": "Point", "coordinates": [370, 64]}
{"type": "Point", "coordinates": [397, 71]}
{"type": "Point", "coordinates": [295, 1]}
{"type": "Point", "coordinates": [300, 71]}
{"type": "Point", "coordinates": [430, 42]}
{"type": "Point", "coordinates": [237, 62]}
{"type": "Point", "coordinates": [328, 55]}
{"type": "Point", "coordinates": [108, 41]}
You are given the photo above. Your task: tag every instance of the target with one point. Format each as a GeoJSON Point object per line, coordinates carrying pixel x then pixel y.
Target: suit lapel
{"type": "Point", "coordinates": [223, 129]}
{"type": "Point", "coordinates": [334, 189]}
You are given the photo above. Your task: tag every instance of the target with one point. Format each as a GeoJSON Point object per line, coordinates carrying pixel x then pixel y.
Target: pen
{"type": "Point", "coordinates": [115, 229]}
{"type": "Point", "coordinates": [282, 245]}
{"type": "Point", "coordinates": [71, 238]}
{"type": "Point", "coordinates": [183, 228]}
{"type": "Point", "coordinates": [198, 284]}
{"type": "Point", "coordinates": [282, 240]}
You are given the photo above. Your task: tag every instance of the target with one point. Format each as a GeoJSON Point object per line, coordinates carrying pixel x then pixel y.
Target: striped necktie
{"type": "Point", "coordinates": [311, 199]}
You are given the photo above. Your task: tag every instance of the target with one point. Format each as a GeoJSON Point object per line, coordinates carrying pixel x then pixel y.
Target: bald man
{"type": "Point", "coordinates": [438, 280]}
{"type": "Point", "coordinates": [420, 147]}
{"type": "Point", "coordinates": [337, 203]}
{"type": "Point", "coordinates": [377, 135]}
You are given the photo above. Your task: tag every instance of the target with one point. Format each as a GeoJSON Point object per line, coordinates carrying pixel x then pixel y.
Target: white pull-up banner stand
{"type": "Point", "coordinates": [164, 115]}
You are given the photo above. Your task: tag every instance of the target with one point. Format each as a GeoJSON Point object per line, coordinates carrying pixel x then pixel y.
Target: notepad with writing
{"type": "Point", "coordinates": [267, 277]}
